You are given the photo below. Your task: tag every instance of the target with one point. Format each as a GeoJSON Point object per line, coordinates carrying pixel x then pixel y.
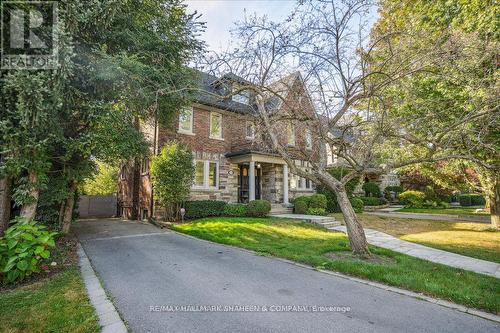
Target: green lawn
{"type": "Point", "coordinates": [308, 244]}
{"type": "Point", "coordinates": [451, 211]}
{"type": "Point", "coordinates": [57, 304]}
{"type": "Point", "coordinates": [476, 240]}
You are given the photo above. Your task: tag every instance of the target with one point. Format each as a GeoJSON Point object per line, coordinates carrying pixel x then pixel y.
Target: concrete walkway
{"type": "Point", "coordinates": [392, 212]}
{"type": "Point", "coordinates": [416, 250]}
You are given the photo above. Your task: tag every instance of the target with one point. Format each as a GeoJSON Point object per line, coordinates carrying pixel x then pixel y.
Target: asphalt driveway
{"type": "Point", "coordinates": [145, 268]}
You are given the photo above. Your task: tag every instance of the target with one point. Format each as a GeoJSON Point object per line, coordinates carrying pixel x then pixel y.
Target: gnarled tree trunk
{"type": "Point", "coordinates": [68, 209]}
{"type": "Point", "coordinates": [357, 238]}
{"type": "Point", "coordinates": [5, 184]}
{"type": "Point", "coordinates": [28, 210]}
{"type": "Point", "coordinates": [494, 201]}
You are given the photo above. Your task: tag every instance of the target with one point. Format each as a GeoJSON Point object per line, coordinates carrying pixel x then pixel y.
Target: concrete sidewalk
{"type": "Point", "coordinates": [391, 212]}
{"type": "Point", "coordinates": [423, 252]}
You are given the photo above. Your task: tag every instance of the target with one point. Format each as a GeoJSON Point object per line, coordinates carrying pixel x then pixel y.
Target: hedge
{"type": "Point", "coordinates": [371, 201]}
{"type": "Point", "coordinates": [317, 201]}
{"type": "Point", "coordinates": [357, 205]}
{"type": "Point", "coordinates": [300, 207]}
{"type": "Point", "coordinates": [395, 189]}
{"type": "Point", "coordinates": [258, 208]}
{"type": "Point", "coordinates": [332, 204]}
{"type": "Point", "coordinates": [412, 198]}
{"type": "Point", "coordinates": [371, 189]}
{"type": "Point", "coordinates": [302, 204]}
{"type": "Point", "coordinates": [204, 208]}
{"type": "Point", "coordinates": [471, 200]}
{"type": "Point", "coordinates": [316, 211]}
{"type": "Point", "coordinates": [235, 209]}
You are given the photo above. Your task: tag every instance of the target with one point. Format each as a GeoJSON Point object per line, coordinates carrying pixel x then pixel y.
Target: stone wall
{"type": "Point", "coordinates": [228, 180]}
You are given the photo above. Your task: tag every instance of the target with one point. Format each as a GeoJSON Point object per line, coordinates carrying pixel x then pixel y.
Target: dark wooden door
{"type": "Point", "coordinates": [244, 184]}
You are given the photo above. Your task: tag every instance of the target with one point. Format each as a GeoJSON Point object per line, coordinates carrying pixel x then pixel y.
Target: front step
{"type": "Point", "coordinates": [326, 223]}
{"type": "Point", "coordinates": [280, 209]}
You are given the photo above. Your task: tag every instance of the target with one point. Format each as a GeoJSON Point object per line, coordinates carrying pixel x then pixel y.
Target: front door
{"type": "Point", "coordinates": [244, 184]}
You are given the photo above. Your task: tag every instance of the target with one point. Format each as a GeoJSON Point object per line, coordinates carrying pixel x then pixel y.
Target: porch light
{"type": "Point", "coordinates": [258, 165]}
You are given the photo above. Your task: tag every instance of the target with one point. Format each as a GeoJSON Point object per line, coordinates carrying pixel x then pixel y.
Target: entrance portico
{"type": "Point", "coordinates": [261, 176]}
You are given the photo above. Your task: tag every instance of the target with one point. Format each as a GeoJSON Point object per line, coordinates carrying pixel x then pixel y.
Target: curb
{"type": "Point", "coordinates": [420, 296]}
{"type": "Point", "coordinates": [109, 319]}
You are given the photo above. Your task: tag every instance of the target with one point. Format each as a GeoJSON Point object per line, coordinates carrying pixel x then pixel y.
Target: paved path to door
{"type": "Point", "coordinates": [420, 251]}
{"type": "Point", "coordinates": [144, 268]}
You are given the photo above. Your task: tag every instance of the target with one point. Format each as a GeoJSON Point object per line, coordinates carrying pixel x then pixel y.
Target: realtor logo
{"type": "Point", "coordinates": [29, 35]}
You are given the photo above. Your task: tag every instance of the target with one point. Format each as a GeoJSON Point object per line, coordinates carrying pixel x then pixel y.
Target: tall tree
{"type": "Point", "coordinates": [327, 42]}
{"type": "Point", "coordinates": [452, 108]}
{"type": "Point", "coordinates": [114, 56]}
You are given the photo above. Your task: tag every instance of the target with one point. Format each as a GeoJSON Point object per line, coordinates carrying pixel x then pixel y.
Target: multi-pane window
{"type": "Point", "coordinates": [199, 178]}
{"type": "Point", "coordinates": [304, 184]}
{"type": "Point", "coordinates": [186, 120]}
{"type": "Point", "coordinates": [212, 174]}
{"type": "Point", "coordinates": [215, 125]}
{"type": "Point", "coordinates": [206, 174]}
{"type": "Point", "coordinates": [250, 130]}
{"type": "Point", "coordinates": [309, 141]}
{"type": "Point", "coordinates": [290, 132]}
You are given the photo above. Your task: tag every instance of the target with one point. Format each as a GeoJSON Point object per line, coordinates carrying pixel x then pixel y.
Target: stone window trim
{"type": "Point", "coordinates": [191, 115]}
{"type": "Point", "coordinates": [217, 136]}
{"type": "Point", "coordinates": [206, 172]}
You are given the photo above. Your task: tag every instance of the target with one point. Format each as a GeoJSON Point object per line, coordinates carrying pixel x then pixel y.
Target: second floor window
{"type": "Point", "coordinates": [309, 141]}
{"type": "Point", "coordinates": [250, 130]}
{"type": "Point", "coordinates": [215, 125]}
{"type": "Point", "coordinates": [186, 120]}
{"type": "Point", "coordinates": [290, 132]}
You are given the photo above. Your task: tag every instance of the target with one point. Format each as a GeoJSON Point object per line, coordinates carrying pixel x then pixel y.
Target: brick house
{"type": "Point", "coordinates": [234, 162]}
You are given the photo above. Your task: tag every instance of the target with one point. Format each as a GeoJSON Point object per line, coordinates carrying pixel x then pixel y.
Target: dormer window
{"type": "Point", "coordinates": [241, 96]}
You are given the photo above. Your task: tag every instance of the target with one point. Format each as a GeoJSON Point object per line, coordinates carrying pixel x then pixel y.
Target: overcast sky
{"type": "Point", "coordinates": [220, 15]}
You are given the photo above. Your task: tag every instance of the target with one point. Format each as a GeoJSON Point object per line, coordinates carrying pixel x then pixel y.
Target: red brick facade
{"type": "Point", "coordinates": [135, 191]}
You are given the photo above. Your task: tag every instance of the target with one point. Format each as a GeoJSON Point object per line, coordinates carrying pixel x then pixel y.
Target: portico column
{"type": "Point", "coordinates": [251, 181]}
{"type": "Point", "coordinates": [285, 184]}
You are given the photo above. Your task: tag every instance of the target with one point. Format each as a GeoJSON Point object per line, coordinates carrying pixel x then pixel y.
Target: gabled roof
{"type": "Point", "coordinates": [212, 91]}
{"type": "Point", "coordinates": [213, 88]}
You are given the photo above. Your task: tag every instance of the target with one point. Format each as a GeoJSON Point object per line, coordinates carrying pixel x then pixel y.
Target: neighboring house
{"type": "Point", "coordinates": [383, 180]}
{"type": "Point", "coordinates": [234, 161]}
